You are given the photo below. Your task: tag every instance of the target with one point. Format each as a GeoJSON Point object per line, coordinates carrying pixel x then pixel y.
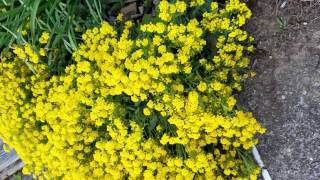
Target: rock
{"type": "Point", "coordinates": [129, 10]}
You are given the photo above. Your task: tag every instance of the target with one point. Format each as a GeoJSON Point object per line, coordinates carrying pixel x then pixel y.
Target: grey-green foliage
{"type": "Point", "coordinates": [65, 20]}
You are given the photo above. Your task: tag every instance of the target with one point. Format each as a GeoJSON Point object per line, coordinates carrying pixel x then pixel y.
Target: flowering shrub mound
{"type": "Point", "coordinates": [153, 101]}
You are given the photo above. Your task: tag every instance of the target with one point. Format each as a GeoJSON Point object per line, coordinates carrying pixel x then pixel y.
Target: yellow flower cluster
{"type": "Point", "coordinates": [156, 104]}
{"type": "Point", "coordinates": [26, 53]}
{"type": "Point", "coordinates": [44, 38]}
{"type": "Point", "coordinates": [168, 10]}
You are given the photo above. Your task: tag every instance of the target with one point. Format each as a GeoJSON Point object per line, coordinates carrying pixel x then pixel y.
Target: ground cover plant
{"type": "Point", "coordinates": [153, 100]}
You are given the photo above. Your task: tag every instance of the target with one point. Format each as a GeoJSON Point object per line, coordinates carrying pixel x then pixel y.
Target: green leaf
{"type": "Point", "coordinates": [33, 16]}
{"type": "Point", "coordinates": [153, 122]}
{"type": "Point", "coordinates": [30, 67]}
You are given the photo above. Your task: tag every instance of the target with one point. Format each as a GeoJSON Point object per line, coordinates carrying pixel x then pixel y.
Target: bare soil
{"type": "Point", "coordinates": [285, 94]}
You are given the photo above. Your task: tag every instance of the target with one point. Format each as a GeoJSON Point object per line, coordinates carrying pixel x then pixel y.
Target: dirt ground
{"type": "Point", "coordinates": [285, 94]}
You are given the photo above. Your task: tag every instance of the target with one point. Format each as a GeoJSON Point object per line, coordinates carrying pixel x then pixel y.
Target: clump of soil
{"type": "Point", "coordinates": [285, 94]}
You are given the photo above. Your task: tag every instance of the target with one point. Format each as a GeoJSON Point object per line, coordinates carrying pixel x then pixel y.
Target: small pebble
{"type": "Point", "coordinates": [304, 23]}
{"type": "Point", "coordinates": [283, 4]}
{"type": "Point", "coordinates": [304, 92]}
{"type": "Point", "coordinates": [283, 97]}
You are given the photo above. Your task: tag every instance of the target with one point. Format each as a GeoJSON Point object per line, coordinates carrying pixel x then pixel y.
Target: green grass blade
{"type": "Point", "coordinates": [33, 16]}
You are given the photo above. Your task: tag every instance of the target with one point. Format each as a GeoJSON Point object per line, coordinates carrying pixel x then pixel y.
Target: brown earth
{"type": "Point", "coordinates": [285, 94]}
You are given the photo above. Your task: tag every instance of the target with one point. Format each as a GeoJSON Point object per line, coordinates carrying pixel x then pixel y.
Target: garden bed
{"type": "Point", "coordinates": [283, 96]}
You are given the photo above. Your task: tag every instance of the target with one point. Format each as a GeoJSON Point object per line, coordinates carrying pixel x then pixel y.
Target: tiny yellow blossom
{"type": "Point", "coordinates": [42, 52]}
{"type": "Point", "coordinates": [44, 38]}
{"type": "Point", "coordinates": [146, 111]}
{"type": "Point", "coordinates": [119, 17]}
{"type": "Point", "coordinates": [231, 102]}
{"type": "Point", "coordinates": [202, 87]}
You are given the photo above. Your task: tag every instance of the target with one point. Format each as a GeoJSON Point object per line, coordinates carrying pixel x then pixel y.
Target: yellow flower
{"type": "Point", "coordinates": [202, 87]}
{"type": "Point", "coordinates": [162, 49]}
{"type": "Point", "coordinates": [227, 172]}
{"type": "Point", "coordinates": [42, 52]}
{"type": "Point", "coordinates": [44, 38]}
{"type": "Point", "coordinates": [217, 86]}
{"type": "Point", "coordinates": [83, 66]}
{"type": "Point", "coordinates": [214, 5]}
{"type": "Point", "coordinates": [231, 102]}
{"type": "Point", "coordinates": [197, 3]}
{"type": "Point", "coordinates": [146, 111]}
{"type": "Point", "coordinates": [86, 123]}
{"type": "Point", "coordinates": [6, 148]}
{"type": "Point", "coordinates": [119, 17]}
{"type": "Point", "coordinates": [181, 6]}
{"type": "Point", "coordinates": [24, 33]}
{"type": "Point", "coordinates": [250, 48]}
{"type": "Point", "coordinates": [193, 101]}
